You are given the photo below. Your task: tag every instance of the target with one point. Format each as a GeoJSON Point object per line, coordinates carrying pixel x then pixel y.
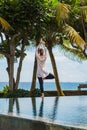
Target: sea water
{"type": "Point", "coordinates": [47, 85]}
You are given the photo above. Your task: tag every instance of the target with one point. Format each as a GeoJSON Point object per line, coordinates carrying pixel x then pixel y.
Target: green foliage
{"type": "Point", "coordinates": [5, 93]}
{"type": "Point", "coordinates": [54, 2]}
{"type": "Point", "coordinates": [64, 14]}
{"type": "Point", "coordinates": [33, 18]}
{"type": "Point", "coordinates": [5, 24]}
{"type": "Point", "coordinates": [19, 93]}
{"type": "Point", "coordinates": [71, 2]}
{"type": "Point", "coordinates": [71, 53]}
{"type": "Point", "coordinates": [5, 89]}
{"type": "Point", "coordinates": [35, 92]}
{"type": "Point", "coordinates": [75, 39]}
{"type": "Point", "coordinates": [15, 93]}
{"type": "Point", "coordinates": [1, 56]}
{"type": "Point", "coordinates": [25, 15]}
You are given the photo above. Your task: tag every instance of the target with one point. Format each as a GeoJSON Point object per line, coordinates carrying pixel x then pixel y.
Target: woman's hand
{"type": "Point", "coordinates": [42, 42]}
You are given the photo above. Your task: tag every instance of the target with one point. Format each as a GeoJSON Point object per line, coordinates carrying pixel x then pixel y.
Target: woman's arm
{"type": "Point", "coordinates": [37, 50]}
{"type": "Point", "coordinates": [45, 50]}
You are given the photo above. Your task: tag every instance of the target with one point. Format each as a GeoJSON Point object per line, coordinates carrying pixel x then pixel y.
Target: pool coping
{"type": "Point", "coordinates": [12, 121]}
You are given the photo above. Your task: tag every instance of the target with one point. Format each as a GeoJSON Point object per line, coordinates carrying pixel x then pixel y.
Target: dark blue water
{"type": "Point", "coordinates": [47, 85]}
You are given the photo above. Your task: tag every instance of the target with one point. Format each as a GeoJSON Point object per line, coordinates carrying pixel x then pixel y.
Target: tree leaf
{"type": "Point", "coordinates": [74, 37]}
{"type": "Point", "coordinates": [62, 12]}
{"type": "Point", "coordinates": [5, 24]}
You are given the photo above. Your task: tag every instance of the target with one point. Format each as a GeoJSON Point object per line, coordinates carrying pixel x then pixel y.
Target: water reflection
{"type": "Point", "coordinates": [12, 102]}
{"type": "Point", "coordinates": [69, 109]}
{"type": "Point", "coordinates": [55, 108]}
{"type": "Point", "coordinates": [37, 107]}
{"type": "Point", "coordinates": [34, 106]}
{"type": "Point", "coordinates": [41, 109]}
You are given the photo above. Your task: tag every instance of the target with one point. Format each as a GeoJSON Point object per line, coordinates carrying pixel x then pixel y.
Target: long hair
{"type": "Point", "coordinates": [41, 51]}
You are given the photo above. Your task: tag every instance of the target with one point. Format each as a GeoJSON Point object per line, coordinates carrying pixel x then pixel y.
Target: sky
{"type": "Point", "coordinates": [68, 70]}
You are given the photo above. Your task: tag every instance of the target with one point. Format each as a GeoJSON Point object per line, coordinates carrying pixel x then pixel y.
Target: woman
{"type": "Point", "coordinates": [41, 55]}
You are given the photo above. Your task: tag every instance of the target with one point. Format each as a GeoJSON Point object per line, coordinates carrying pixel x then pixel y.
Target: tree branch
{"type": "Point", "coordinates": [5, 54]}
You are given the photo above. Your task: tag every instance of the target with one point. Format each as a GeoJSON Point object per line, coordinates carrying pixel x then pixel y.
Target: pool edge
{"type": "Point", "coordinates": [10, 122]}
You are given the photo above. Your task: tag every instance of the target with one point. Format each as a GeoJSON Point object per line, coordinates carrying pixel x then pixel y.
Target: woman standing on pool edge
{"type": "Point", "coordinates": [41, 56]}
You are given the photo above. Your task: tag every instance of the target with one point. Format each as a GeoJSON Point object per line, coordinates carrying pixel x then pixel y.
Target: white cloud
{"type": "Point", "coordinates": [68, 70]}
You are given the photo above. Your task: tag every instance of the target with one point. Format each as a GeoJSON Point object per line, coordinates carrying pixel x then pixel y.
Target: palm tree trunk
{"type": "Point", "coordinates": [11, 75]}
{"type": "Point", "coordinates": [11, 68]}
{"type": "Point", "coordinates": [83, 25]}
{"type": "Point", "coordinates": [20, 65]}
{"type": "Point", "coordinates": [8, 71]}
{"type": "Point", "coordinates": [59, 90]}
{"type": "Point", "coordinates": [84, 30]}
{"type": "Point", "coordinates": [34, 76]}
{"type": "Point", "coordinates": [11, 60]}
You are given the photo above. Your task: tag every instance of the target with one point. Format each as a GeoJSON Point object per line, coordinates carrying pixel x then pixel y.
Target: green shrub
{"type": "Point", "coordinates": [16, 93]}
{"type": "Point", "coordinates": [35, 92]}
{"type": "Point", "coordinates": [5, 89]}
{"type": "Point", "coordinates": [20, 93]}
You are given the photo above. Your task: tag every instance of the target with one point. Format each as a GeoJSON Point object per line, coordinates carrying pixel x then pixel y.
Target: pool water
{"type": "Point", "coordinates": [69, 110]}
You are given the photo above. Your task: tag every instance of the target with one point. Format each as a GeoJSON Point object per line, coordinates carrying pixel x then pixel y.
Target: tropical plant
{"type": "Point", "coordinates": [25, 16]}
{"type": "Point", "coordinates": [78, 40]}
{"type": "Point", "coordinates": [57, 31]}
{"type": "Point", "coordinates": [76, 44]}
{"type": "Point", "coordinates": [75, 39]}
{"type": "Point", "coordinates": [5, 25]}
{"type": "Point", "coordinates": [57, 18]}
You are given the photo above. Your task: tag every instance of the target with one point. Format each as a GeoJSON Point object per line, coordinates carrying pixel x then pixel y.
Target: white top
{"type": "Point", "coordinates": [41, 60]}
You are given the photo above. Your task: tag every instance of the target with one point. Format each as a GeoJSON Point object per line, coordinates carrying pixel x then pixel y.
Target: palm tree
{"type": "Point", "coordinates": [25, 17]}
{"type": "Point", "coordinates": [50, 42]}
{"type": "Point", "coordinates": [74, 37]}
{"type": "Point", "coordinates": [59, 90]}
{"type": "Point", "coordinates": [62, 20]}
{"type": "Point", "coordinates": [53, 32]}
{"type": "Point", "coordinates": [5, 26]}
{"type": "Point", "coordinates": [61, 17]}
{"type": "Point", "coordinates": [55, 26]}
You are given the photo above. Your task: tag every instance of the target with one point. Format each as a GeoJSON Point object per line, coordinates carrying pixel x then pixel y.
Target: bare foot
{"type": "Point", "coordinates": [42, 96]}
{"type": "Point", "coordinates": [43, 78]}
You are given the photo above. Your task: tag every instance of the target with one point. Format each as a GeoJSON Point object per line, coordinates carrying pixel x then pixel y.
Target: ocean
{"type": "Point", "coordinates": [47, 85]}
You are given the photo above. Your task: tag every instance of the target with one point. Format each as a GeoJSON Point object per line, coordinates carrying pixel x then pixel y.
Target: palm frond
{"type": "Point", "coordinates": [66, 43]}
{"type": "Point", "coordinates": [84, 11]}
{"type": "Point", "coordinates": [1, 56]}
{"type": "Point", "coordinates": [54, 2]}
{"type": "Point", "coordinates": [74, 37]}
{"type": "Point", "coordinates": [5, 24]}
{"type": "Point", "coordinates": [72, 54]}
{"type": "Point", "coordinates": [83, 8]}
{"type": "Point", "coordinates": [62, 11]}
{"type": "Point", "coordinates": [83, 2]}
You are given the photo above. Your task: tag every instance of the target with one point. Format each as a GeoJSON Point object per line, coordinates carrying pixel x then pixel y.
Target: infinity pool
{"type": "Point", "coordinates": [68, 110]}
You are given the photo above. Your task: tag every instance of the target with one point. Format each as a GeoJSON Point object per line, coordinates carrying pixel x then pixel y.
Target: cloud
{"type": "Point", "coordinates": [68, 70]}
